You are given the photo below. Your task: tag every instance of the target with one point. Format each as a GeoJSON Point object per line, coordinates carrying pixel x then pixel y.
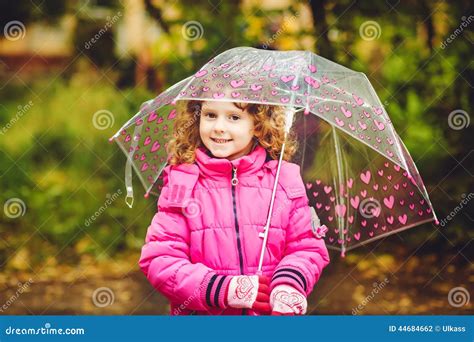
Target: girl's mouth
{"type": "Point", "coordinates": [221, 141]}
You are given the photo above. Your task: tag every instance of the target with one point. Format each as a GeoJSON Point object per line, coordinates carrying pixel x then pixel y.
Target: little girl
{"type": "Point", "coordinates": [203, 246]}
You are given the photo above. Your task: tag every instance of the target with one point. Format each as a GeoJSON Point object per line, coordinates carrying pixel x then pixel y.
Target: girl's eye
{"type": "Point", "coordinates": [210, 115]}
{"type": "Point", "coordinates": [234, 117]}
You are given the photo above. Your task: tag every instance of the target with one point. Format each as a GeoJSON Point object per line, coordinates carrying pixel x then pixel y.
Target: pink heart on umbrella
{"type": "Point", "coordinates": [365, 177]}
{"type": "Point", "coordinates": [403, 219]}
{"type": "Point", "coordinates": [355, 202]}
{"type": "Point", "coordinates": [156, 145]}
{"type": "Point", "coordinates": [201, 73]}
{"type": "Point", "coordinates": [358, 100]}
{"type": "Point", "coordinates": [152, 116]}
{"type": "Point", "coordinates": [376, 211]}
{"type": "Point", "coordinates": [340, 210]}
{"type": "Point", "coordinates": [312, 68]}
{"type": "Point", "coordinates": [236, 83]}
{"type": "Point", "coordinates": [339, 121]}
{"type": "Point", "coordinates": [287, 78]}
{"type": "Point", "coordinates": [379, 125]}
{"type": "Point", "coordinates": [389, 201]}
{"type": "Point", "coordinates": [256, 87]}
{"type": "Point", "coordinates": [312, 82]}
{"type": "Point", "coordinates": [362, 125]}
{"type": "Point", "coordinates": [347, 113]}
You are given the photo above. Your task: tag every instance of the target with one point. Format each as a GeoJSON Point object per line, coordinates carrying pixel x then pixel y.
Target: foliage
{"type": "Point", "coordinates": [63, 167]}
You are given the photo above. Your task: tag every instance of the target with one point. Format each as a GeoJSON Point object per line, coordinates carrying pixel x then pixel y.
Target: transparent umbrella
{"type": "Point", "coordinates": [360, 179]}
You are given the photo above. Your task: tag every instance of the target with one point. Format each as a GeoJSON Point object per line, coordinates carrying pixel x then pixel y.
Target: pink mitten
{"type": "Point", "coordinates": [249, 292]}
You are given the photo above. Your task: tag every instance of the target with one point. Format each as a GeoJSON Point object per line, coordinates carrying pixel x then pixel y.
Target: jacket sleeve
{"type": "Point", "coordinates": [165, 260]}
{"type": "Point", "coordinates": [305, 255]}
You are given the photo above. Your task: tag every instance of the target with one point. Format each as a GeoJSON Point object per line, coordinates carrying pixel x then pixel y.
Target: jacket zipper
{"type": "Point", "coordinates": [234, 183]}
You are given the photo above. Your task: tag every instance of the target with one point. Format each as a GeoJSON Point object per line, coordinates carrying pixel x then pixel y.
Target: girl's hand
{"type": "Point", "coordinates": [249, 292]}
{"type": "Point", "coordinates": [287, 301]}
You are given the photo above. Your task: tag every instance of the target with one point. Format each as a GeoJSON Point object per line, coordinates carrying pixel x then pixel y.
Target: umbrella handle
{"type": "Point", "coordinates": [290, 112]}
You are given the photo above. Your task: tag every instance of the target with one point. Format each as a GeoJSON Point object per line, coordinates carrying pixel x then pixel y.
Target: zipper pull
{"type": "Point", "coordinates": [234, 181]}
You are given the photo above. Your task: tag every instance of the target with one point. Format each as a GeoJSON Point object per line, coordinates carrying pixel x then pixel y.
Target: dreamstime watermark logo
{"type": "Point", "coordinates": [458, 208]}
{"type": "Point", "coordinates": [21, 288]}
{"type": "Point", "coordinates": [14, 30]}
{"type": "Point", "coordinates": [370, 30]}
{"type": "Point", "coordinates": [102, 297]}
{"type": "Point", "coordinates": [458, 296]}
{"type": "Point", "coordinates": [465, 22]}
{"type": "Point", "coordinates": [46, 330]}
{"type": "Point", "coordinates": [369, 207]}
{"type": "Point", "coordinates": [281, 30]}
{"type": "Point", "coordinates": [195, 295]}
{"type": "Point", "coordinates": [103, 119]}
{"type": "Point", "coordinates": [110, 199]}
{"type": "Point", "coordinates": [377, 287]}
{"type": "Point", "coordinates": [192, 30]}
{"type": "Point", "coordinates": [189, 123]}
{"type": "Point", "coordinates": [458, 119]}
{"type": "Point", "coordinates": [192, 208]}
{"type": "Point", "coordinates": [103, 30]}
{"type": "Point", "coordinates": [21, 111]}
{"type": "Point", "coordinates": [14, 208]}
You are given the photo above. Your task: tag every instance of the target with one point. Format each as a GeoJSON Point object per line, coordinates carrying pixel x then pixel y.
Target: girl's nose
{"type": "Point", "coordinates": [219, 125]}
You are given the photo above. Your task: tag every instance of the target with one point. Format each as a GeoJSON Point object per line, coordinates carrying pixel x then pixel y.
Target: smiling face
{"type": "Point", "coordinates": [226, 130]}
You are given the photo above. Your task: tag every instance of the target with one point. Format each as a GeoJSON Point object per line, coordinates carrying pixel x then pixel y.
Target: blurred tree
{"type": "Point", "coordinates": [26, 11]}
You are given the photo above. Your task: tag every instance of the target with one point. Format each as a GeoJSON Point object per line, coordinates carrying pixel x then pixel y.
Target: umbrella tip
{"type": "Point", "coordinates": [343, 254]}
{"type": "Point", "coordinates": [437, 222]}
{"type": "Point", "coordinates": [111, 139]}
{"type": "Point", "coordinates": [146, 195]}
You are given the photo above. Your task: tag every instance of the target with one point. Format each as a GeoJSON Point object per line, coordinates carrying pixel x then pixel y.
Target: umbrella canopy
{"type": "Point", "coordinates": [359, 176]}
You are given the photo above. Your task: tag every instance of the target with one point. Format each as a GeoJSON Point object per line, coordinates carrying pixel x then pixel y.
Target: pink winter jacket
{"type": "Point", "coordinates": [207, 230]}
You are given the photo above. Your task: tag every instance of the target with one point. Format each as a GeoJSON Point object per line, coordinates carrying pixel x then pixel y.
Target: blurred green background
{"type": "Point", "coordinates": [64, 62]}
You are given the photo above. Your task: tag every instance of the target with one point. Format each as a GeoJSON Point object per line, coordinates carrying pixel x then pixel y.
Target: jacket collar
{"type": "Point", "coordinates": [218, 167]}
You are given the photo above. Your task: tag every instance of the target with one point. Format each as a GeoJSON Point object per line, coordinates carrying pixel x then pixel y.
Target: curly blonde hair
{"type": "Point", "coordinates": [269, 131]}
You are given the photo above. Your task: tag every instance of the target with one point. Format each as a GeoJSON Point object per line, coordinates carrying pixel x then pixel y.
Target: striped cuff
{"type": "Point", "coordinates": [289, 276]}
{"type": "Point", "coordinates": [216, 291]}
